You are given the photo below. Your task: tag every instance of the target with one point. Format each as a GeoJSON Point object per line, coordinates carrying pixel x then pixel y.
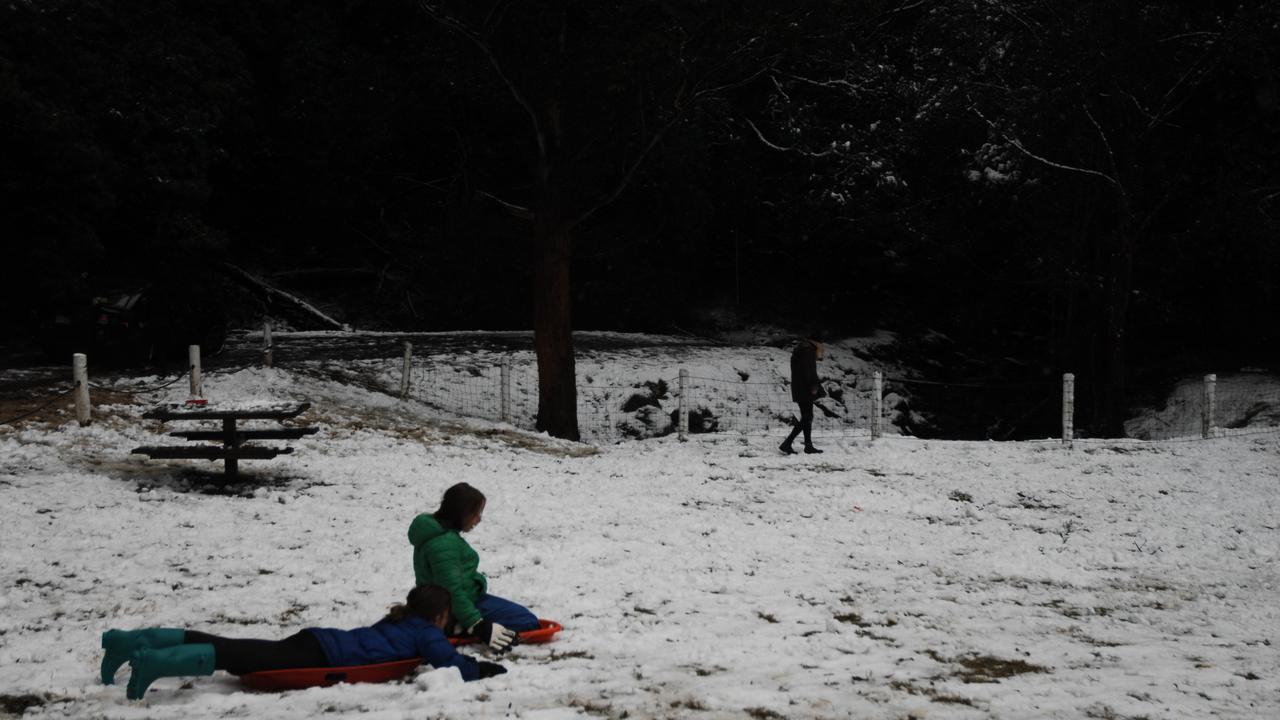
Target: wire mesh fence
{"type": "Point", "coordinates": [649, 405]}
{"type": "Point", "coordinates": [718, 405]}
{"type": "Point", "coordinates": [1207, 407]}
{"type": "Point", "coordinates": [502, 386]}
{"type": "Point", "coordinates": [467, 391]}
{"type": "Point", "coordinates": [974, 411]}
{"type": "Point", "coordinates": [1246, 406]}
{"type": "Point", "coordinates": [611, 412]}
{"type": "Point", "coordinates": [1169, 412]}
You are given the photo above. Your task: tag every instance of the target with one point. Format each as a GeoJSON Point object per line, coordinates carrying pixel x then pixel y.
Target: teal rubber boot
{"type": "Point", "coordinates": [120, 644]}
{"type": "Point", "coordinates": [149, 664]}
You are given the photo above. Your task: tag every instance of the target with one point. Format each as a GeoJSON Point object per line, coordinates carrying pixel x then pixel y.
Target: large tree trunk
{"type": "Point", "coordinates": [552, 331]}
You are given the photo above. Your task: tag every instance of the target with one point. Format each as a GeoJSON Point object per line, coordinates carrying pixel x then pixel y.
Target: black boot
{"type": "Point", "coordinates": [811, 450]}
{"type": "Point", "coordinates": [787, 449]}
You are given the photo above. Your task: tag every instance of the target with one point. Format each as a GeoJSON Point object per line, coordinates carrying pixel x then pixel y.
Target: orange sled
{"type": "Point", "coordinates": [299, 678]}
{"type": "Point", "coordinates": [546, 629]}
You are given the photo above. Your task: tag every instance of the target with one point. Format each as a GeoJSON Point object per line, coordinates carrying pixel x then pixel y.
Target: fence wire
{"type": "Point", "coordinates": [973, 411]}
{"type": "Point", "coordinates": [647, 407]}
{"type": "Point", "coordinates": [472, 391]}
{"type": "Point", "coordinates": [606, 412]}
{"type": "Point", "coordinates": [43, 406]}
{"type": "Point", "coordinates": [717, 405]}
{"type": "Point", "coordinates": [1242, 403]}
{"type": "Point", "coordinates": [1244, 406]}
{"type": "Point", "coordinates": [646, 404]}
{"type": "Point", "coordinates": [142, 390]}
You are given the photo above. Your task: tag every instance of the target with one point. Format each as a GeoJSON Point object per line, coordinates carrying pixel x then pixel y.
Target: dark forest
{"type": "Point", "coordinates": [1089, 186]}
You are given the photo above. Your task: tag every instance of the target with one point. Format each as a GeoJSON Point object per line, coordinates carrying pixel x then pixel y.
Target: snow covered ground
{"type": "Point", "coordinates": [626, 390]}
{"type": "Point", "coordinates": [709, 579]}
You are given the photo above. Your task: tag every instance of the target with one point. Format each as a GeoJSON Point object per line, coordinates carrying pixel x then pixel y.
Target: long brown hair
{"type": "Point", "coordinates": [424, 601]}
{"type": "Point", "coordinates": [459, 502]}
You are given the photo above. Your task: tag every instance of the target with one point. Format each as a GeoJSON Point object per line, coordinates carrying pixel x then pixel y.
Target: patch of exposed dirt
{"type": "Point", "coordinates": [987, 668]}
{"type": "Point", "coordinates": [930, 692]}
{"type": "Point", "coordinates": [430, 430]}
{"type": "Point", "coordinates": [54, 406]}
{"type": "Point", "coordinates": [16, 705]}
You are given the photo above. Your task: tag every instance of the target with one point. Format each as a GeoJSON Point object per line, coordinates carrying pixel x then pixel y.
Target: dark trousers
{"type": "Point", "coordinates": [241, 657]}
{"type": "Point", "coordinates": [805, 425]}
{"type": "Point", "coordinates": [508, 614]}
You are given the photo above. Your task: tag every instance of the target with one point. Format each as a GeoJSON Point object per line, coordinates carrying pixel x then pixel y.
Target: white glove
{"type": "Point", "coordinates": [498, 637]}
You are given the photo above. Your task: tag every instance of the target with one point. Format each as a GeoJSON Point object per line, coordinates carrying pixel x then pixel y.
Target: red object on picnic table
{"type": "Point", "coordinates": [299, 678]}
{"type": "Point", "coordinates": [197, 401]}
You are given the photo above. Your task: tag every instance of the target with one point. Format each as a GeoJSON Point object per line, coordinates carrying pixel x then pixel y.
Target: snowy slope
{"type": "Point", "coordinates": [711, 579]}
{"type": "Point", "coordinates": [730, 389]}
{"type": "Point", "coordinates": [1243, 402]}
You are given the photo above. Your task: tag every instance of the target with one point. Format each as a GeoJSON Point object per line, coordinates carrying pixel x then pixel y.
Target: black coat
{"type": "Point", "coordinates": [804, 372]}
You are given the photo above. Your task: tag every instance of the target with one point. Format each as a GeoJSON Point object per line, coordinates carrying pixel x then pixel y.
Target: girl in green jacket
{"type": "Point", "coordinates": [442, 557]}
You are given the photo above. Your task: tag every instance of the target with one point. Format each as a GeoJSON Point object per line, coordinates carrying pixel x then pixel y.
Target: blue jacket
{"type": "Point", "coordinates": [388, 641]}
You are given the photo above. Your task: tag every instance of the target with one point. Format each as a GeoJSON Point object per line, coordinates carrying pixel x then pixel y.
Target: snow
{"type": "Point", "coordinates": [739, 388]}
{"type": "Point", "coordinates": [711, 578]}
{"type": "Point", "coordinates": [1243, 402]}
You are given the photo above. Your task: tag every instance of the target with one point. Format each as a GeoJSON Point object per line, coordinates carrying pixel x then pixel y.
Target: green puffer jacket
{"type": "Point", "coordinates": [443, 558]}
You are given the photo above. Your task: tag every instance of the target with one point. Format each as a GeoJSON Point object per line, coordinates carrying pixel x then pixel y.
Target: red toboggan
{"type": "Point", "coordinates": [299, 678]}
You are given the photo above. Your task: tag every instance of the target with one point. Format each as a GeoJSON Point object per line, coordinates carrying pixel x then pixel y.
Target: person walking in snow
{"type": "Point", "coordinates": [805, 389]}
{"type": "Point", "coordinates": [441, 556]}
{"type": "Point", "coordinates": [414, 629]}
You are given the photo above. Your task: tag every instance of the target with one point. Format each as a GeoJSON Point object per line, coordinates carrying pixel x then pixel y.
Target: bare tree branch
{"type": "Point", "coordinates": [1106, 144]}
{"type": "Point", "coordinates": [774, 146]}
{"type": "Point", "coordinates": [708, 92]}
{"type": "Point", "coordinates": [778, 87]}
{"type": "Point", "coordinates": [369, 239]}
{"type": "Point", "coordinates": [1141, 108]}
{"type": "Point", "coordinates": [1004, 9]}
{"type": "Point", "coordinates": [886, 17]}
{"type": "Point", "coordinates": [494, 18]}
{"type": "Point", "coordinates": [1181, 36]}
{"type": "Point", "coordinates": [1270, 194]}
{"type": "Point", "coordinates": [270, 290]}
{"type": "Point", "coordinates": [824, 83]}
{"type": "Point", "coordinates": [679, 103]}
{"type": "Point", "coordinates": [482, 43]}
{"type": "Point", "coordinates": [517, 211]}
{"type": "Point", "coordinates": [1050, 163]}
{"type": "Point", "coordinates": [1200, 68]}
{"type": "Point", "coordinates": [630, 172]}
{"type": "Point", "coordinates": [432, 184]}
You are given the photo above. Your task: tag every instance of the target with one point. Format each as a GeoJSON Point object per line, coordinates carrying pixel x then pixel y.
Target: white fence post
{"type": "Point", "coordinates": [504, 391]}
{"type": "Point", "coordinates": [1208, 409]}
{"type": "Point", "coordinates": [80, 375]}
{"type": "Point", "coordinates": [406, 370]}
{"type": "Point", "coordinates": [1068, 408]}
{"type": "Point", "coordinates": [877, 403]}
{"type": "Point", "coordinates": [682, 411]}
{"type": "Point", "coordinates": [267, 347]}
{"type": "Point", "coordinates": [193, 358]}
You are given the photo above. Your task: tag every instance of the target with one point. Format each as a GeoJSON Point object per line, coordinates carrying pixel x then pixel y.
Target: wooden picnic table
{"type": "Point", "coordinates": [232, 448]}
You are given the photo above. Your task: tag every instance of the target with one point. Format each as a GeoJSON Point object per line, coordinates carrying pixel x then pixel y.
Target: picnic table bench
{"type": "Point", "coordinates": [232, 448]}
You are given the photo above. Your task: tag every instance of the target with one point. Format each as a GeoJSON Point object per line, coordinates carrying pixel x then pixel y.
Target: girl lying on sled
{"type": "Point", "coordinates": [414, 629]}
